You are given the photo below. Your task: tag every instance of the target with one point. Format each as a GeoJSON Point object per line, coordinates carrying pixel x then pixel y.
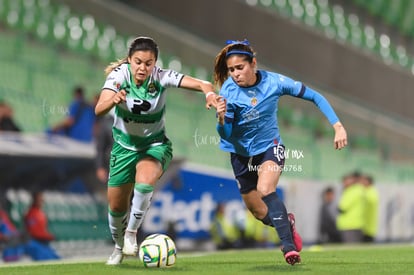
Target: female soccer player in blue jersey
{"type": "Point", "coordinates": [141, 152]}
{"type": "Point", "coordinates": [248, 127]}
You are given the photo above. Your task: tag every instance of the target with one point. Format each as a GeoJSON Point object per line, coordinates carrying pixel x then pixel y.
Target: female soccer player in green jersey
{"type": "Point", "coordinates": [141, 152]}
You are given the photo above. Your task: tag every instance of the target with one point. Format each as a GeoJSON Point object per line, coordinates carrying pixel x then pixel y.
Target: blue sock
{"type": "Point", "coordinates": [279, 218]}
{"type": "Point", "coordinates": [266, 220]}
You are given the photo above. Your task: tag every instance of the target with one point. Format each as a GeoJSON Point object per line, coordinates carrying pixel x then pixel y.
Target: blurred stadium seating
{"type": "Point", "coordinates": [347, 26]}
{"type": "Point", "coordinates": [54, 49]}
{"type": "Point", "coordinates": [398, 13]}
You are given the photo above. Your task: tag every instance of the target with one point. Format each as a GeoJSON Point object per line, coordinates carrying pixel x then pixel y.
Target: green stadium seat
{"type": "Point", "coordinates": [30, 15]}
{"type": "Point", "coordinates": [332, 20]}
{"type": "Point", "coordinates": [310, 12]}
{"type": "Point", "coordinates": [375, 7]}
{"type": "Point", "coordinates": [340, 23]}
{"type": "Point", "coordinates": [15, 76]}
{"type": "Point", "coordinates": [393, 11]}
{"type": "Point", "coordinates": [356, 33]}
{"type": "Point", "coordinates": [4, 8]}
{"type": "Point", "coordinates": [370, 39]}
{"type": "Point", "coordinates": [119, 47]}
{"type": "Point", "coordinates": [282, 6]}
{"type": "Point", "coordinates": [407, 20]}
{"type": "Point", "coordinates": [325, 19]}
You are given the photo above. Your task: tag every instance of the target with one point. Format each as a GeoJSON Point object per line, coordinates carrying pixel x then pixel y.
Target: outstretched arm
{"type": "Point", "coordinates": [203, 86]}
{"type": "Point", "coordinates": [340, 139]}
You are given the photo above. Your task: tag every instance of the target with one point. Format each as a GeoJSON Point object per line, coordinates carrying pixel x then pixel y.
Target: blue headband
{"type": "Point", "coordinates": [244, 42]}
{"type": "Point", "coordinates": [239, 52]}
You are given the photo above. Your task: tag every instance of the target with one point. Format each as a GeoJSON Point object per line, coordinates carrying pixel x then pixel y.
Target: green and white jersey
{"type": "Point", "coordinates": [139, 122]}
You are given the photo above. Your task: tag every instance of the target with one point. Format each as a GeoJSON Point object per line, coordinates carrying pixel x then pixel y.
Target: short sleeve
{"type": "Point", "coordinates": [290, 86]}
{"type": "Point", "coordinates": [116, 78]}
{"type": "Point", "coordinates": [169, 78]}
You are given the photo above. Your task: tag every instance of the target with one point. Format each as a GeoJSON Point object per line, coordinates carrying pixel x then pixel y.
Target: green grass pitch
{"type": "Point", "coordinates": [370, 259]}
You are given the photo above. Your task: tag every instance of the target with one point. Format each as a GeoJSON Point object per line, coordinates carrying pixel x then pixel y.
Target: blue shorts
{"type": "Point", "coordinates": [246, 169]}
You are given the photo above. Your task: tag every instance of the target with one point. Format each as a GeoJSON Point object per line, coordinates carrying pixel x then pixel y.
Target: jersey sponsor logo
{"type": "Point", "coordinates": [252, 114]}
{"type": "Point", "coordinates": [140, 106]}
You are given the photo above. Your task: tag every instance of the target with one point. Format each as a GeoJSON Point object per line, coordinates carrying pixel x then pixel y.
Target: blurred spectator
{"type": "Point", "coordinates": [328, 233]}
{"type": "Point", "coordinates": [370, 227]}
{"type": "Point", "coordinates": [257, 234]}
{"type": "Point", "coordinates": [6, 118]}
{"type": "Point", "coordinates": [350, 220]}
{"type": "Point", "coordinates": [103, 142]}
{"type": "Point", "coordinates": [248, 230]}
{"type": "Point", "coordinates": [15, 245]}
{"type": "Point", "coordinates": [79, 123]}
{"type": "Point", "coordinates": [224, 232]}
{"type": "Point", "coordinates": [11, 240]}
{"type": "Point", "coordinates": [36, 225]}
{"type": "Point", "coordinates": [36, 222]}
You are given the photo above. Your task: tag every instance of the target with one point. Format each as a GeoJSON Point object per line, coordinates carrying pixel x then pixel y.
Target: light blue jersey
{"type": "Point", "coordinates": [251, 125]}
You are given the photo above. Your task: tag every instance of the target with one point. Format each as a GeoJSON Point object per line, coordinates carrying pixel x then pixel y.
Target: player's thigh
{"type": "Point", "coordinates": [119, 197]}
{"type": "Point", "coordinates": [149, 170]}
{"type": "Point", "coordinates": [153, 162]}
{"type": "Point", "coordinates": [255, 204]}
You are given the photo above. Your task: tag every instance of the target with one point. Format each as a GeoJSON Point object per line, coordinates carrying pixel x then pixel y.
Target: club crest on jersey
{"type": "Point", "coordinates": [253, 101]}
{"type": "Point", "coordinates": [152, 90]}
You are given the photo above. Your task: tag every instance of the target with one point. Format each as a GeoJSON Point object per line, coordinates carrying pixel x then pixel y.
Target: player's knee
{"type": "Point", "coordinates": [265, 190]}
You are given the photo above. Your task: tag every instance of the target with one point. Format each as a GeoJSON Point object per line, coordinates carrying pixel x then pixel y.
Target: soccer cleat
{"type": "Point", "coordinates": [297, 239]}
{"type": "Point", "coordinates": [292, 257]}
{"type": "Point", "coordinates": [130, 244]}
{"type": "Point", "coordinates": [116, 257]}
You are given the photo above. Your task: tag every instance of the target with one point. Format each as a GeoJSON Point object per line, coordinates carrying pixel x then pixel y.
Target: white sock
{"type": "Point", "coordinates": [117, 225]}
{"type": "Point", "coordinates": [140, 204]}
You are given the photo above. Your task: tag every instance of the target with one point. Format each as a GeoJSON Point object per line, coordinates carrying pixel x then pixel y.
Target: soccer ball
{"type": "Point", "coordinates": [157, 250]}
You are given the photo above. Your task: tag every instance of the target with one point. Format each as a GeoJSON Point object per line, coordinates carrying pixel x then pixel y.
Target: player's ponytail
{"type": "Point", "coordinates": [114, 65]}
{"type": "Point", "coordinates": [220, 68]}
